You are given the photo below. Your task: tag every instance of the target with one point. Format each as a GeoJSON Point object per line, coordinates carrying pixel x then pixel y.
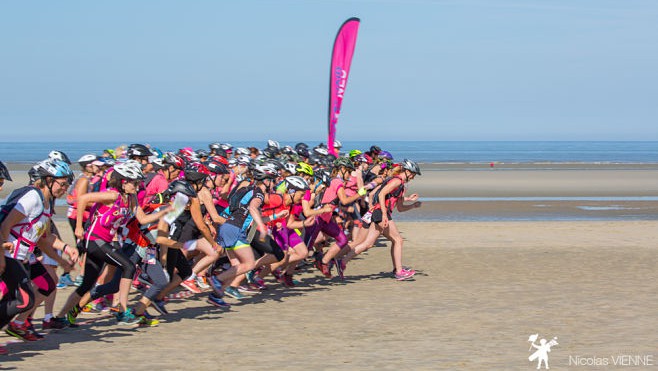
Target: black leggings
{"type": "Point", "coordinates": [269, 246]}
{"type": "Point", "coordinates": [176, 260]}
{"type": "Point", "coordinates": [155, 273]}
{"type": "Point", "coordinates": [19, 297]}
{"type": "Point", "coordinates": [99, 253]}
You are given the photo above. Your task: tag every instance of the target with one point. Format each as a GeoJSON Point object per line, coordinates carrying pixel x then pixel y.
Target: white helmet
{"type": "Point", "coordinates": [273, 144]}
{"type": "Point", "coordinates": [59, 155]}
{"type": "Point", "coordinates": [338, 144]}
{"type": "Point", "coordinates": [129, 171]}
{"type": "Point", "coordinates": [291, 167]}
{"type": "Point", "coordinates": [297, 183]}
{"type": "Point", "coordinates": [242, 151]}
{"type": "Point", "coordinates": [87, 158]}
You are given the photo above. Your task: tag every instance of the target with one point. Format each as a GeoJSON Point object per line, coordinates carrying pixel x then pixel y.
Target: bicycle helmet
{"type": "Point", "coordinates": [138, 150]}
{"type": "Point", "coordinates": [216, 167]}
{"type": "Point", "coordinates": [304, 168]}
{"type": "Point", "coordinates": [54, 168]}
{"type": "Point", "coordinates": [322, 151]}
{"type": "Point", "coordinates": [262, 172]}
{"type": "Point", "coordinates": [362, 158]}
{"type": "Point", "coordinates": [59, 155]}
{"type": "Point", "coordinates": [200, 153]}
{"type": "Point", "coordinates": [174, 160]}
{"type": "Point", "coordinates": [214, 146]}
{"type": "Point", "coordinates": [375, 149]}
{"type": "Point", "coordinates": [290, 167]}
{"type": "Point", "coordinates": [243, 160]}
{"type": "Point", "coordinates": [297, 183]}
{"type": "Point", "coordinates": [338, 144]}
{"type": "Point", "coordinates": [355, 152]}
{"type": "Point", "coordinates": [303, 152]}
{"type": "Point", "coordinates": [179, 186]}
{"type": "Point", "coordinates": [273, 144]}
{"type": "Point", "coordinates": [411, 166]}
{"type": "Point", "coordinates": [241, 151]}
{"type": "Point", "coordinates": [343, 162]}
{"type": "Point", "coordinates": [128, 171]}
{"type": "Point", "coordinates": [323, 175]}
{"type": "Point", "coordinates": [4, 172]}
{"type": "Point", "coordinates": [386, 155]}
{"type": "Point", "coordinates": [86, 160]}
{"type": "Point", "coordinates": [287, 150]}
{"type": "Point", "coordinates": [196, 172]}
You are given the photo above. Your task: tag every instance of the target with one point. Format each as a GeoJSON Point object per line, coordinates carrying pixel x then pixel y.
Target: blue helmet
{"type": "Point", "coordinates": [54, 168]}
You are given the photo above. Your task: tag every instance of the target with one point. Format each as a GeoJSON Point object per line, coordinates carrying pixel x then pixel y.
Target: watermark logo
{"type": "Point", "coordinates": [542, 350]}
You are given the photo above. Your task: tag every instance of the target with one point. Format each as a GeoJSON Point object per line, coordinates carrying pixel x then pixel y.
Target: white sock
{"type": "Point", "coordinates": [47, 317]}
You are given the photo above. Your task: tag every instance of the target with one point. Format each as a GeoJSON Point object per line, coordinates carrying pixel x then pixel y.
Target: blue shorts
{"type": "Point", "coordinates": [231, 237]}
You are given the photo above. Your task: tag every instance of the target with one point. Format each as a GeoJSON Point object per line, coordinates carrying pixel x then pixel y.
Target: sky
{"type": "Point", "coordinates": [255, 70]}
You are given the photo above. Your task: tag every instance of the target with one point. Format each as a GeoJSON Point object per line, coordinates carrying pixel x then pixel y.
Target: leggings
{"type": "Point", "coordinates": [329, 228]}
{"type": "Point", "coordinates": [41, 279]}
{"type": "Point", "coordinates": [98, 253]}
{"type": "Point", "coordinates": [176, 260]}
{"type": "Point", "coordinates": [269, 246]}
{"type": "Point", "coordinates": [155, 272]}
{"type": "Point", "coordinates": [18, 296]}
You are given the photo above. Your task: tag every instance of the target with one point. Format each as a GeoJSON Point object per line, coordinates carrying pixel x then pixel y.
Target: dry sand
{"type": "Point", "coordinates": [481, 289]}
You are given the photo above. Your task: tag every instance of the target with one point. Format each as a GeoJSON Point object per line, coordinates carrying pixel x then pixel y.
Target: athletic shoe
{"type": "Point", "coordinates": [405, 274]}
{"type": "Point", "coordinates": [277, 274]}
{"type": "Point", "coordinates": [91, 308]}
{"type": "Point", "coordinates": [78, 281]}
{"type": "Point", "coordinates": [20, 331]}
{"type": "Point", "coordinates": [340, 268]}
{"type": "Point", "coordinates": [127, 318]}
{"type": "Point", "coordinates": [288, 281]}
{"type": "Point", "coordinates": [247, 290]}
{"type": "Point", "coordinates": [258, 283]}
{"type": "Point", "coordinates": [73, 314]}
{"type": "Point", "coordinates": [64, 281]}
{"type": "Point", "coordinates": [250, 276]}
{"type": "Point", "coordinates": [47, 325]}
{"type": "Point", "coordinates": [233, 292]}
{"type": "Point", "coordinates": [159, 305]}
{"type": "Point", "coordinates": [217, 301]}
{"type": "Point", "coordinates": [201, 282]}
{"type": "Point", "coordinates": [147, 320]}
{"type": "Point", "coordinates": [3, 350]}
{"type": "Point", "coordinates": [32, 330]}
{"type": "Point", "coordinates": [191, 286]}
{"type": "Point", "coordinates": [58, 323]}
{"type": "Point", "coordinates": [216, 285]}
{"type": "Point", "coordinates": [325, 269]}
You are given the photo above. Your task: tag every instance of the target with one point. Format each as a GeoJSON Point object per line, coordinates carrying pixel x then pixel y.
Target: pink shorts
{"type": "Point", "coordinates": [286, 238]}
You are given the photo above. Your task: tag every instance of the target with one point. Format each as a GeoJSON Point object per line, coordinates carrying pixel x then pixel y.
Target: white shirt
{"type": "Point", "coordinates": [28, 229]}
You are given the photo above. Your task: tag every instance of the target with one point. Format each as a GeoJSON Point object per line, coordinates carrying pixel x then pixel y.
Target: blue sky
{"type": "Point", "coordinates": [431, 70]}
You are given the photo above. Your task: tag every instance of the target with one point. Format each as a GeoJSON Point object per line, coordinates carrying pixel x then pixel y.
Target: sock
{"type": "Point", "coordinates": [47, 317]}
{"type": "Point", "coordinates": [20, 323]}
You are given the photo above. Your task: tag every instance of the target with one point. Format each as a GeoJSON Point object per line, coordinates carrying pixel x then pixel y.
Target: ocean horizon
{"type": "Point", "coordinates": [466, 152]}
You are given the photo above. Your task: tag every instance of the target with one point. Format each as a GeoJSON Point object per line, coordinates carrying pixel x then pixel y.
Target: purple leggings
{"type": "Point", "coordinates": [286, 238]}
{"type": "Point", "coordinates": [329, 228]}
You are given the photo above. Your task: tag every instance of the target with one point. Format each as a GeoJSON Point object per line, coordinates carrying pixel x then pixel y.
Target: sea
{"type": "Point", "coordinates": [455, 155]}
{"type": "Point", "coordinates": [452, 152]}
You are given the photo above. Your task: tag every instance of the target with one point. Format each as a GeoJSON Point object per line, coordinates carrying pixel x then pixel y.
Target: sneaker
{"type": "Point", "coordinates": [250, 276]}
{"type": "Point", "coordinates": [288, 281]}
{"type": "Point", "coordinates": [191, 286]}
{"type": "Point", "coordinates": [78, 281]}
{"type": "Point", "coordinates": [233, 292]}
{"type": "Point", "coordinates": [20, 331]}
{"type": "Point", "coordinates": [159, 305]}
{"type": "Point", "coordinates": [340, 268]}
{"type": "Point", "coordinates": [325, 269]}
{"type": "Point", "coordinates": [202, 282]}
{"type": "Point", "coordinates": [258, 283]}
{"type": "Point", "coordinates": [73, 314]}
{"type": "Point", "coordinates": [32, 330]}
{"type": "Point", "coordinates": [277, 274]}
{"type": "Point", "coordinates": [146, 320]}
{"type": "Point", "coordinates": [58, 323]}
{"type": "Point", "coordinates": [217, 301]}
{"type": "Point", "coordinates": [405, 274]}
{"type": "Point", "coordinates": [127, 318]}
{"type": "Point", "coordinates": [216, 285]}
{"type": "Point", "coordinates": [247, 290]}
{"type": "Point", "coordinates": [47, 325]}
{"type": "Point", "coordinates": [3, 350]}
{"type": "Point", "coordinates": [90, 308]}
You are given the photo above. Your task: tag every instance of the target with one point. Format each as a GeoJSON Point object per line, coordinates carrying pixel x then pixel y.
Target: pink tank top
{"type": "Point", "coordinates": [108, 219]}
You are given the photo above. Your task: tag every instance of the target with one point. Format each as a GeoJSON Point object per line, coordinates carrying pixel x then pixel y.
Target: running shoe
{"type": "Point", "coordinates": [127, 318]}
{"type": "Point", "coordinates": [90, 308]}
{"type": "Point", "coordinates": [340, 268]}
{"type": "Point", "coordinates": [247, 290]}
{"type": "Point", "coordinates": [32, 330]}
{"type": "Point", "coordinates": [159, 305]}
{"type": "Point", "coordinates": [65, 281]}
{"type": "Point", "coordinates": [405, 274]}
{"type": "Point", "coordinates": [73, 314]}
{"type": "Point", "coordinates": [325, 269]}
{"type": "Point", "coordinates": [202, 282]}
{"type": "Point", "coordinates": [250, 276]}
{"type": "Point", "coordinates": [191, 286]}
{"type": "Point", "coordinates": [78, 281]}
{"type": "Point", "coordinates": [288, 281]}
{"type": "Point", "coordinates": [20, 331]}
{"type": "Point", "coordinates": [47, 325]}
{"type": "Point", "coordinates": [58, 323]}
{"type": "Point", "coordinates": [233, 292]}
{"type": "Point", "coordinates": [3, 350]}
{"type": "Point", "coordinates": [147, 320]}
{"type": "Point", "coordinates": [216, 285]}
{"type": "Point", "coordinates": [217, 301]}
{"type": "Point", "coordinates": [277, 274]}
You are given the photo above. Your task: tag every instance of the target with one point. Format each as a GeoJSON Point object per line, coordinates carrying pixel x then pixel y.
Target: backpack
{"type": "Point", "coordinates": [12, 200]}
{"type": "Point", "coordinates": [239, 197]}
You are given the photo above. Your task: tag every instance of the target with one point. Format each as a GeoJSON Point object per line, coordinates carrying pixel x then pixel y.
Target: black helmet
{"type": "Point", "coordinates": [4, 172]}
{"type": "Point", "coordinates": [138, 150]}
{"type": "Point", "coordinates": [216, 167]}
{"type": "Point", "coordinates": [300, 145]}
{"type": "Point", "coordinates": [174, 160]}
{"type": "Point", "coordinates": [411, 166]}
{"type": "Point", "coordinates": [195, 172]}
{"type": "Point", "coordinates": [303, 152]}
{"type": "Point", "coordinates": [179, 186]}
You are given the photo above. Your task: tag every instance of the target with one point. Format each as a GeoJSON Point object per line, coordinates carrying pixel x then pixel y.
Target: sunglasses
{"type": "Point", "coordinates": [65, 183]}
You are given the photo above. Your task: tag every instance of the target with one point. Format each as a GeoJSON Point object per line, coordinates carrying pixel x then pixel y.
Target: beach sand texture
{"type": "Point", "coordinates": [481, 289]}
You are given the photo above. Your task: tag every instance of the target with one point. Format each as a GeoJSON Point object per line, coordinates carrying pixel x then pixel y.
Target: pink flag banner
{"type": "Point", "coordinates": [341, 59]}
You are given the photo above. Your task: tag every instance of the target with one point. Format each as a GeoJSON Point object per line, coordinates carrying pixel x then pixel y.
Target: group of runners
{"type": "Point", "coordinates": [219, 220]}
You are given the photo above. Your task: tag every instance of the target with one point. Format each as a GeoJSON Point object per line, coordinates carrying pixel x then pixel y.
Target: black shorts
{"type": "Point", "coordinates": [377, 215]}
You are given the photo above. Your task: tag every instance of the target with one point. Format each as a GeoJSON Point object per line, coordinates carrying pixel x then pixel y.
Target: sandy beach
{"type": "Point", "coordinates": [482, 289]}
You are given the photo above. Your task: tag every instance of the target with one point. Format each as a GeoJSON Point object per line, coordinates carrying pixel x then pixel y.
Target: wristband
{"type": "Point", "coordinates": [64, 249]}
{"type": "Point", "coordinates": [362, 191]}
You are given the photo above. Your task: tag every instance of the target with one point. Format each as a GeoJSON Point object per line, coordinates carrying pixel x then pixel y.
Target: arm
{"type": "Point", "coordinates": [144, 218]}
{"type": "Point", "coordinates": [344, 199]}
{"type": "Point", "coordinates": [195, 210]}
{"type": "Point", "coordinates": [254, 210]}
{"type": "Point", "coordinates": [206, 199]}
{"type": "Point", "coordinates": [49, 243]}
{"type": "Point", "coordinates": [382, 199]}
{"type": "Point", "coordinates": [415, 203]}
